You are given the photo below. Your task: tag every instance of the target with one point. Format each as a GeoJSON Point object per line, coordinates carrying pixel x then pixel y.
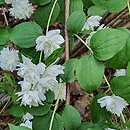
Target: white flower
{"type": "Point", "coordinates": [109, 129]}
{"type": "Point", "coordinates": [29, 95]}
{"type": "Point", "coordinates": [92, 22]}
{"type": "Point", "coordinates": [8, 59]}
{"type": "Point", "coordinates": [29, 71]}
{"type": "Point", "coordinates": [27, 120]}
{"type": "Point", "coordinates": [50, 42]}
{"type": "Point", "coordinates": [54, 70]}
{"type": "Point", "coordinates": [120, 72]}
{"type": "Point", "coordinates": [37, 80]}
{"type": "Point", "coordinates": [21, 9]}
{"type": "Point", "coordinates": [27, 116]}
{"type": "Point", "coordinates": [10, 1]}
{"type": "Point", "coordinates": [114, 104]}
{"type": "Point", "coordinates": [27, 124]}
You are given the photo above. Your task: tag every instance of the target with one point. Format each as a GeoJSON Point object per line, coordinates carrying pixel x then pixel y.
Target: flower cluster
{"type": "Point", "coordinates": [37, 80]}
{"type": "Point", "coordinates": [92, 23]}
{"type": "Point", "coordinates": [27, 120]}
{"type": "Point", "coordinates": [50, 42]}
{"type": "Point", "coordinates": [9, 59]}
{"type": "Point", "coordinates": [114, 104]}
{"type": "Point", "coordinates": [21, 9]}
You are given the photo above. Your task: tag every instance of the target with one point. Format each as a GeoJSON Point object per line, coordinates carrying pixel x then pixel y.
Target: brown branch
{"type": "Point", "coordinates": [6, 21]}
{"type": "Point", "coordinates": [67, 3]}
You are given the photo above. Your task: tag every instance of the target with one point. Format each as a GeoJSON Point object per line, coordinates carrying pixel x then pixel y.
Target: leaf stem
{"type": "Point", "coordinates": [56, 106]}
{"type": "Point", "coordinates": [48, 23]}
{"type": "Point", "coordinates": [108, 84]}
{"type": "Point", "coordinates": [128, 5]}
{"type": "Point", "coordinates": [84, 43]}
{"type": "Point", "coordinates": [40, 58]}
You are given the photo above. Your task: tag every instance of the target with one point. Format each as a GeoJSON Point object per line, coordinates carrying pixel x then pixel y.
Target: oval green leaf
{"type": "Point", "coordinates": [25, 34]}
{"type": "Point", "coordinates": [76, 5]}
{"type": "Point", "coordinates": [43, 122]}
{"type": "Point", "coordinates": [76, 21]}
{"type": "Point", "coordinates": [121, 59]}
{"type": "Point", "coordinates": [71, 118]}
{"type": "Point", "coordinates": [4, 36]}
{"type": "Point", "coordinates": [96, 11]}
{"type": "Point", "coordinates": [112, 6]}
{"type": "Point", "coordinates": [89, 73]}
{"type": "Point", "coordinates": [70, 67]}
{"type": "Point", "coordinates": [121, 87]}
{"type": "Point", "coordinates": [107, 42]}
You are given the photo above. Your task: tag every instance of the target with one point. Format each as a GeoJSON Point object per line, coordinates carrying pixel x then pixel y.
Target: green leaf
{"type": "Point", "coordinates": [96, 11]}
{"type": "Point", "coordinates": [121, 59]}
{"type": "Point", "coordinates": [4, 36]}
{"type": "Point", "coordinates": [76, 5]}
{"type": "Point", "coordinates": [91, 126]}
{"type": "Point", "coordinates": [76, 21]}
{"type": "Point", "coordinates": [17, 110]}
{"type": "Point", "coordinates": [13, 127]}
{"type": "Point", "coordinates": [50, 96]}
{"type": "Point", "coordinates": [70, 67]}
{"type": "Point", "coordinates": [121, 87]}
{"type": "Point", "coordinates": [32, 54]}
{"type": "Point", "coordinates": [42, 13]}
{"type": "Point", "coordinates": [87, 3]}
{"type": "Point", "coordinates": [40, 110]}
{"type": "Point", "coordinates": [112, 6]}
{"type": "Point", "coordinates": [107, 42]}
{"type": "Point", "coordinates": [1, 47]}
{"type": "Point", "coordinates": [43, 122]}
{"type": "Point", "coordinates": [57, 53]}
{"type": "Point", "coordinates": [25, 34]}
{"type": "Point", "coordinates": [61, 17]}
{"type": "Point", "coordinates": [41, 2]}
{"type": "Point", "coordinates": [128, 69]}
{"type": "Point", "coordinates": [2, 2]}
{"type": "Point", "coordinates": [98, 114]}
{"type": "Point", "coordinates": [71, 118]}
{"type": "Point", "coordinates": [89, 73]}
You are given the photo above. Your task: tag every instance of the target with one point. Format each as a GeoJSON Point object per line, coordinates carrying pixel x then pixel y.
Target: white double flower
{"type": "Point", "coordinates": [50, 42]}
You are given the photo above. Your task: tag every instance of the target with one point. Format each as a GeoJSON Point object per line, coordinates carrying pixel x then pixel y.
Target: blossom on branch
{"type": "Point", "coordinates": [92, 22]}
{"type": "Point", "coordinates": [21, 9]}
{"type": "Point", "coordinates": [27, 120]}
{"type": "Point", "coordinates": [114, 104]}
{"type": "Point", "coordinates": [50, 42]}
{"type": "Point", "coordinates": [37, 80]}
{"type": "Point", "coordinates": [9, 59]}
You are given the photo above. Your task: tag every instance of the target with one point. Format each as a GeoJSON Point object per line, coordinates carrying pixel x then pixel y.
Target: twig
{"type": "Point", "coordinates": [5, 105]}
{"type": "Point", "coordinates": [3, 10]}
{"type": "Point", "coordinates": [67, 3]}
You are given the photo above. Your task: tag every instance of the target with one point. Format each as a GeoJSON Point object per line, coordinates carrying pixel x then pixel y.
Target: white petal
{"type": "Point", "coordinates": [53, 32]}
